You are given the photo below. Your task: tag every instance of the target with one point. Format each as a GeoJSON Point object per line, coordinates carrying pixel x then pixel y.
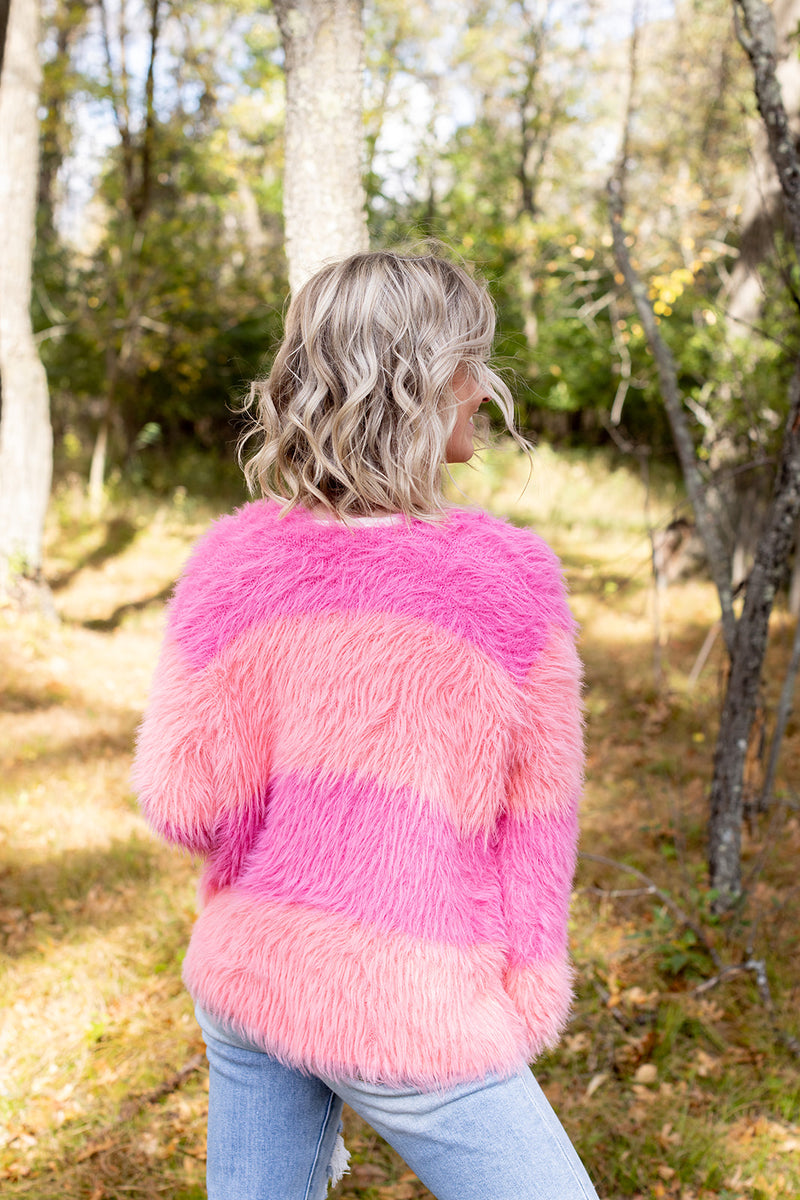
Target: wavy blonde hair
{"type": "Point", "coordinates": [356, 413]}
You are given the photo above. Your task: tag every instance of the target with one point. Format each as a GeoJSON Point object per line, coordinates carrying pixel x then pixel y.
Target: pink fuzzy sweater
{"type": "Point", "coordinates": [373, 736]}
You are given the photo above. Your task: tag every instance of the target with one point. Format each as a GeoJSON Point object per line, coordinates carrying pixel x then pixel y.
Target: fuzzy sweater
{"type": "Point", "coordinates": [373, 736]}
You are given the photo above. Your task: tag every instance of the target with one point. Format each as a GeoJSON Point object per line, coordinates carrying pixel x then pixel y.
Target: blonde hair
{"type": "Point", "coordinates": [357, 410]}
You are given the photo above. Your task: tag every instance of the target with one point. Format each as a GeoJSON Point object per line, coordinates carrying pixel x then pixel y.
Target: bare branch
{"type": "Point", "coordinates": [624, 353]}
{"type": "Point", "coordinates": [741, 696]}
{"type": "Point", "coordinates": [718, 560]}
{"type": "Point", "coordinates": [119, 101]}
{"type": "Point", "coordinates": [668, 379]}
{"type": "Point", "coordinates": [682, 917]}
{"type": "Point", "coordinates": [148, 135]}
{"type": "Point", "coordinates": [781, 719]}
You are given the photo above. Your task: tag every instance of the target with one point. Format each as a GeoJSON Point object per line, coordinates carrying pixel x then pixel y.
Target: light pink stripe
{"type": "Point", "coordinates": [177, 743]}
{"type": "Point", "coordinates": [542, 995]}
{"type": "Point", "coordinates": [336, 996]}
{"type": "Point", "coordinates": [350, 695]}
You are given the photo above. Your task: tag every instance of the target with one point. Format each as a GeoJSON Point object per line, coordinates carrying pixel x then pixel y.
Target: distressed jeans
{"type": "Point", "coordinates": [273, 1131]}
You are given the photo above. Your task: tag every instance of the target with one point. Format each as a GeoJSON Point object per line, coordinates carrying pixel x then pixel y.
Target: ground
{"type": "Point", "coordinates": [677, 1075]}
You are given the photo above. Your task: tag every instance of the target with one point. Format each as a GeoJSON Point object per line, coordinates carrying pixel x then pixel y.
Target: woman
{"type": "Point", "coordinates": [366, 718]}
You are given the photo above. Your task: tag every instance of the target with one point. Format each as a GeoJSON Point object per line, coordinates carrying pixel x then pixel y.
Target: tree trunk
{"type": "Point", "coordinates": [25, 431]}
{"type": "Point", "coordinates": [759, 40]}
{"type": "Point", "coordinates": [756, 32]}
{"type": "Point", "coordinates": [762, 206]}
{"type": "Point", "coordinates": [324, 201]}
{"type": "Point", "coordinates": [4, 5]}
{"type": "Point", "coordinates": [741, 697]}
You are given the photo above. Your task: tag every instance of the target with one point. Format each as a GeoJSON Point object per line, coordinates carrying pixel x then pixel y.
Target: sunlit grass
{"type": "Point", "coordinates": [667, 1093]}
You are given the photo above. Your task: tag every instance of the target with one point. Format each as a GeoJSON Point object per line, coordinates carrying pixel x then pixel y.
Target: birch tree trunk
{"type": "Point", "coordinates": [323, 200]}
{"type": "Point", "coordinates": [25, 431]}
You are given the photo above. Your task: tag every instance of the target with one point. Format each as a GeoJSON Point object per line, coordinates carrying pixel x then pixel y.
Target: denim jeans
{"type": "Point", "coordinates": [273, 1131]}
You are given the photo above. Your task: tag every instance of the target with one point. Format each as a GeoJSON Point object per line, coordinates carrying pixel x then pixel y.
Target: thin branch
{"type": "Point", "coordinates": [715, 980]}
{"type": "Point", "coordinates": [148, 135]}
{"type": "Point", "coordinates": [105, 1138]}
{"type": "Point", "coordinates": [702, 657]}
{"type": "Point", "coordinates": [119, 103]}
{"type": "Point", "coordinates": [682, 917]}
{"type": "Point", "coordinates": [621, 347]}
{"type": "Point", "coordinates": [670, 392]}
{"type": "Point", "coordinates": [755, 28]}
{"type": "Point", "coordinates": [617, 893]}
{"type": "Point", "coordinates": [137, 1103]}
{"type": "Point", "coordinates": [718, 560]}
{"type": "Point", "coordinates": [52, 331]}
{"type": "Point", "coordinates": [781, 720]}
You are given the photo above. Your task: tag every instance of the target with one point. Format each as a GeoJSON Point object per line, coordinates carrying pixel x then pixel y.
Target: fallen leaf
{"type": "Point", "coordinates": [596, 1082]}
{"type": "Point", "coordinates": [646, 1073]}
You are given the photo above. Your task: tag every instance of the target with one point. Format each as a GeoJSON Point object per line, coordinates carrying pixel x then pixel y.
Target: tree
{"type": "Point", "coordinates": [155, 305]}
{"type": "Point", "coordinates": [757, 35]}
{"type": "Point", "coordinates": [137, 162]}
{"type": "Point", "coordinates": [323, 197]}
{"type": "Point", "coordinates": [746, 637]}
{"type": "Point", "coordinates": [58, 86]}
{"type": "Point", "coordinates": [762, 206]}
{"type": "Point", "coordinates": [25, 431]}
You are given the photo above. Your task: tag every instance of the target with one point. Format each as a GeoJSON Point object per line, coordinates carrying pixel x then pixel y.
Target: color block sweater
{"type": "Point", "coordinates": [373, 737]}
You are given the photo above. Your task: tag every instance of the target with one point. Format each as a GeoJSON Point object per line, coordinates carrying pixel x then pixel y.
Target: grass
{"type": "Point", "coordinates": [668, 1090]}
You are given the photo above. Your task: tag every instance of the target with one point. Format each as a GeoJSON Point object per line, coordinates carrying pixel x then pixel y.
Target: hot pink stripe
{"type": "Point", "coordinates": [254, 567]}
{"type": "Point", "coordinates": [331, 995]}
{"type": "Point", "coordinates": [536, 856]}
{"type": "Point", "coordinates": [370, 852]}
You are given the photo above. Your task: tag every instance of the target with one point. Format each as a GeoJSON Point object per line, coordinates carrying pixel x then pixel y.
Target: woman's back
{"type": "Point", "coordinates": [353, 708]}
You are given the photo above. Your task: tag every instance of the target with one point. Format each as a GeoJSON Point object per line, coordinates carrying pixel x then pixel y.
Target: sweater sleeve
{"type": "Point", "coordinates": [537, 838]}
{"type": "Point", "coordinates": [177, 751]}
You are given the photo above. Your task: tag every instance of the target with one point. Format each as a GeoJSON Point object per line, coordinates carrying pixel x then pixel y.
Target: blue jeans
{"type": "Point", "coordinates": [273, 1131]}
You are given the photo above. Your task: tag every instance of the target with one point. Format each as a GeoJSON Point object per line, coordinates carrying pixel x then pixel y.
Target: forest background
{"type": "Point", "coordinates": [160, 283]}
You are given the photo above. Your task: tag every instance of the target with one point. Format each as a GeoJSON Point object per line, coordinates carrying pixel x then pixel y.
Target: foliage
{"type": "Point", "coordinates": [164, 310]}
{"type": "Point", "coordinates": [488, 125]}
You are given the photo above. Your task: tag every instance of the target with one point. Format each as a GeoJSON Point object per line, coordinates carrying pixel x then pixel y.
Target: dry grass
{"type": "Point", "coordinates": [668, 1093]}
